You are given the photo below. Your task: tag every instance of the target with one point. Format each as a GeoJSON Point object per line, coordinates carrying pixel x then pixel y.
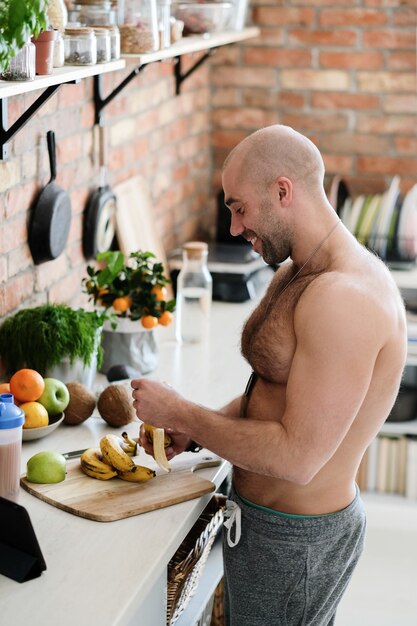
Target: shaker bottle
{"type": "Point", "coordinates": [11, 422]}
{"type": "Point", "coordinates": [194, 292]}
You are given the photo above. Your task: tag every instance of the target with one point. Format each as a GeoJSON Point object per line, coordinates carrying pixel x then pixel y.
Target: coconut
{"type": "Point", "coordinates": [115, 405]}
{"type": "Point", "coordinates": [81, 405]}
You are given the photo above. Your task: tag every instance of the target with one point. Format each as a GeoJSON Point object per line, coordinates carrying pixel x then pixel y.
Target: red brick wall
{"type": "Point", "coordinates": [151, 132]}
{"type": "Point", "coordinates": [343, 72]}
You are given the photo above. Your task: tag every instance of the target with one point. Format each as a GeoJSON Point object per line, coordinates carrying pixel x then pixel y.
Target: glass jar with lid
{"type": "Point", "coordinates": [23, 64]}
{"type": "Point", "coordinates": [164, 22]}
{"type": "Point", "coordinates": [80, 46]}
{"type": "Point", "coordinates": [96, 12]}
{"type": "Point", "coordinates": [103, 44]}
{"type": "Point", "coordinates": [114, 40]}
{"type": "Point", "coordinates": [139, 31]}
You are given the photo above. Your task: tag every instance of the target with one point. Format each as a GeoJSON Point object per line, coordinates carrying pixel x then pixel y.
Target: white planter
{"type": "Point", "coordinates": [130, 344]}
{"type": "Point", "coordinates": [76, 372]}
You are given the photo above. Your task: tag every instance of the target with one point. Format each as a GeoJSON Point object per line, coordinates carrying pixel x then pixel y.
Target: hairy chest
{"type": "Point", "coordinates": [268, 338]}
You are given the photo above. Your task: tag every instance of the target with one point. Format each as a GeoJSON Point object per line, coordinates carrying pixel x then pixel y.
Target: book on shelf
{"type": "Point", "coordinates": [386, 468]}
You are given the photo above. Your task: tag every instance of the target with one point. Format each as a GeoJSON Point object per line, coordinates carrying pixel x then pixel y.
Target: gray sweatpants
{"type": "Point", "coordinates": [289, 571]}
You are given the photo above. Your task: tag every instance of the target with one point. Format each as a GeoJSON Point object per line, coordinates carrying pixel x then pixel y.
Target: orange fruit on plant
{"type": "Point", "coordinates": [159, 292]}
{"type": "Point", "coordinates": [35, 415]}
{"type": "Point", "coordinates": [4, 387]}
{"type": "Point", "coordinates": [165, 319]}
{"type": "Point", "coordinates": [122, 304]}
{"type": "Point", "coordinates": [27, 385]}
{"type": "Point", "coordinates": [149, 321]}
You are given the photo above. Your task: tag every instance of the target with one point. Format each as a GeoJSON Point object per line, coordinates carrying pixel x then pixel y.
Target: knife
{"type": "Point", "coordinates": [74, 454]}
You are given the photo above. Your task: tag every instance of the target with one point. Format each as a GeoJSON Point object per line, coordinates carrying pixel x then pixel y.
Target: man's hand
{"type": "Point", "coordinates": [157, 404]}
{"type": "Point", "coordinates": [179, 442]}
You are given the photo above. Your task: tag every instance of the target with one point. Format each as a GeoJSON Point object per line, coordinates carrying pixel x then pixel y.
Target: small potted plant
{"type": "Point", "coordinates": [19, 20]}
{"type": "Point", "coordinates": [55, 340]}
{"type": "Point", "coordinates": [132, 291]}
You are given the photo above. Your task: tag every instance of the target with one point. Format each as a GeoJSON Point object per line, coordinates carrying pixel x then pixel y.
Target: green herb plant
{"type": "Point", "coordinates": [19, 20]}
{"type": "Point", "coordinates": [133, 287]}
{"type": "Point", "coordinates": [41, 337]}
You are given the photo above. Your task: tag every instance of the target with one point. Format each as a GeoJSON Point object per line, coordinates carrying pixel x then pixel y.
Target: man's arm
{"type": "Point", "coordinates": [338, 333]}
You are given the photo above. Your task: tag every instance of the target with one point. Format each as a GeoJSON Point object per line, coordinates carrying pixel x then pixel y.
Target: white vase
{"type": "Point", "coordinates": [76, 371]}
{"type": "Point", "coordinates": [130, 344]}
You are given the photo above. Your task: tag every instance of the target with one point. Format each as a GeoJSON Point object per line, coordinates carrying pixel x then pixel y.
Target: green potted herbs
{"type": "Point", "coordinates": [55, 340]}
{"type": "Point", "coordinates": [19, 20]}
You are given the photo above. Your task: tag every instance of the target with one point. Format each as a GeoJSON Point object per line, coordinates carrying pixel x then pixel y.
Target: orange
{"type": "Point", "coordinates": [4, 388]}
{"type": "Point", "coordinates": [159, 292]}
{"type": "Point", "coordinates": [35, 415]}
{"type": "Point", "coordinates": [122, 304]}
{"type": "Point", "coordinates": [165, 319]}
{"type": "Point", "coordinates": [27, 385]}
{"type": "Point", "coordinates": [149, 321]}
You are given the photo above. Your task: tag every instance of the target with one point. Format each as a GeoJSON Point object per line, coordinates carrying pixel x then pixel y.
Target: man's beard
{"type": "Point", "coordinates": [275, 249]}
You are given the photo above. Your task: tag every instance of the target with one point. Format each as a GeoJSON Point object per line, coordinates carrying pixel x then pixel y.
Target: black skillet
{"type": "Point", "coordinates": [100, 212]}
{"type": "Point", "coordinates": [51, 215]}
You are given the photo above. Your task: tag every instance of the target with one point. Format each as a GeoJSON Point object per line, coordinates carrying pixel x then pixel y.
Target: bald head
{"type": "Point", "coordinates": [278, 151]}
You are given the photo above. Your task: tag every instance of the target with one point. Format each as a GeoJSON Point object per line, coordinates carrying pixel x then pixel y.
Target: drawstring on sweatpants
{"type": "Point", "coordinates": [232, 516]}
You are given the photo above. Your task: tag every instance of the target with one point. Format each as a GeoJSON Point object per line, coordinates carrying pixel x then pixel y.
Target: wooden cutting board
{"type": "Point", "coordinates": [135, 223]}
{"type": "Point", "coordinates": [114, 499]}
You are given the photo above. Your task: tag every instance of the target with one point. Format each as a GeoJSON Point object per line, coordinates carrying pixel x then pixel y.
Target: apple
{"type": "Point", "coordinates": [55, 397]}
{"type": "Point", "coordinates": [46, 467]}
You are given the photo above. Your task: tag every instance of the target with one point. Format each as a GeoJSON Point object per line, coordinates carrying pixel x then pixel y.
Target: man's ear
{"type": "Point", "coordinates": [284, 187]}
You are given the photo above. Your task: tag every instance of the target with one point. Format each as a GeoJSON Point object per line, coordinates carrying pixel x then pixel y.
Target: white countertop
{"type": "Point", "coordinates": [101, 573]}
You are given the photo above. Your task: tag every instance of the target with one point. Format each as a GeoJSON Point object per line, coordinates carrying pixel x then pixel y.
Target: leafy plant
{"type": "Point", "coordinates": [41, 337]}
{"type": "Point", "coordinates": [132, 287]}
{"type": "Point", "coordinates": [19, 19]}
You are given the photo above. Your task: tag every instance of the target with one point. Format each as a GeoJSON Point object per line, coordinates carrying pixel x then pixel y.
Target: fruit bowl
{"type": "Point", "coordinates": [203, 17]}
{"type": "Point", "coordinates": [29, 434]}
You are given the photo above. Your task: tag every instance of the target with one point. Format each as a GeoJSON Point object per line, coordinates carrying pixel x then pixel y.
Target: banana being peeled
{"type": "Point", "coordinates": [138, 474]}
{"type": "Point", "coordinates": [113, 453]}
{"type": "Point", "coordinates": [160, 441]}
{"type": "Point", "coordinates": [93, 465]}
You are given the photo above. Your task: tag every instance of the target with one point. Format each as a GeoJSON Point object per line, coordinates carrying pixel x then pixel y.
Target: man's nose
{"type": "Point", "coordinates": [236, 227]}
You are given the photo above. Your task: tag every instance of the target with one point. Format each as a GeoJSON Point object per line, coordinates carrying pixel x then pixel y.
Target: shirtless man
{"type": "Point", "coordinates": [327, 345]}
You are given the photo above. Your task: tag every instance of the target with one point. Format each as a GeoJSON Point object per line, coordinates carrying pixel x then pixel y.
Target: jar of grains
{"type": "Point", "coordinates": [114, 40]}
{"type": "Point", "coordinates": [139, 31]}
{"type": "Point", "coordinates": [80, 46]}
{"type": "Point", "coordinates": [103, 45]}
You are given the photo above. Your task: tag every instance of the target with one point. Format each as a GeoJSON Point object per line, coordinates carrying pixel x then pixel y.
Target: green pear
{"type": "Point", "coordinates": [46, 467]}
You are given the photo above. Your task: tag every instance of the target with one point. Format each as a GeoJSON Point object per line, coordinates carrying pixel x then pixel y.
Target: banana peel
{"type": "Point", "coordinates": [160, 441]}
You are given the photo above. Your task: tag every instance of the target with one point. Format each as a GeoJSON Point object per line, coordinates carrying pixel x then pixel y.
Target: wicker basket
{"type": "Point", "coordinates": [187, 564]}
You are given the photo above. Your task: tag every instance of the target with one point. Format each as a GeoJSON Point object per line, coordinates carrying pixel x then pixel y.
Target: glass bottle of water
{"type": "Point", "coordinates": [194, 291]}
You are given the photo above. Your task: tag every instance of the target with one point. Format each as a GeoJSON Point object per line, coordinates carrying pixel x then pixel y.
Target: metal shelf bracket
{"type": "Point", "coordinates": [181, 77]}
{"type": "Point", "coordinates": [101, 102]}
{"type": "Point", "coordinates": [7, 134]}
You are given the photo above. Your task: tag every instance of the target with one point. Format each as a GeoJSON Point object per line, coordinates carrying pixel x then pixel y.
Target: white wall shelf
{"type": "Point", "coordinates": [49, 85]}
{"type": "Point", "coordinates": [66, 74]}
{"type": "Point", "coordinates": [187, 45]}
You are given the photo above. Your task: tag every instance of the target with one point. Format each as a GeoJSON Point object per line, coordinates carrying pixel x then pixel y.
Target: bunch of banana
{"type": "Point", "coordinates": [93, 465]}
{"type": "Point", "coordinates": [160, 441]}
{"type": "Point", "coordinates": [114, 458]}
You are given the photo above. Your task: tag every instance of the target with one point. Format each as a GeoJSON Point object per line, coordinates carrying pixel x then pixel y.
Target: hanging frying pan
{"type": "Point", "coordinates": [99, 215]}
{"type": "Point", "coordinates": [51, 215]}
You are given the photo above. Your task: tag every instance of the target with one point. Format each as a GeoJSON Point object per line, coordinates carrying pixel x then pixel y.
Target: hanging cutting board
{"type": "Point", "coordinates": [135, 224]}
{"type": "Point", "coordinates": [114, 499]}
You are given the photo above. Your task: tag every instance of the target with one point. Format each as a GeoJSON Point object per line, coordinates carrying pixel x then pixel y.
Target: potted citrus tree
{"type": "Point", "coordinates": [55, 340]}
{"type": "Point", "coordinates": [133, 292]}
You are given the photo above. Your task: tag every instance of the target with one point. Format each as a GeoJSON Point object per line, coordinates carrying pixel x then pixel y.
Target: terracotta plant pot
{"type": "Point", "coordinates": [44, 51]}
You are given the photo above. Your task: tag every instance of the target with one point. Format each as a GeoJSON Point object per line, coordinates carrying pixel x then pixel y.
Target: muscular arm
{"type": "Point", "coordinates": [339, 334]}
